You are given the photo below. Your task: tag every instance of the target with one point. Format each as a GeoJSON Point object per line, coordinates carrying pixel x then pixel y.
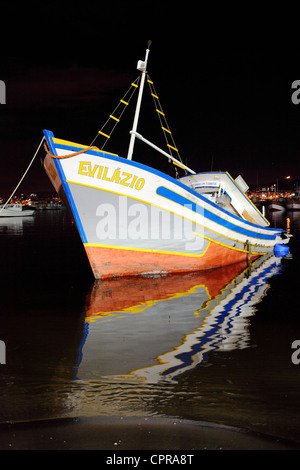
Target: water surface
{"type": "Point", "coordinates": [210, 347]}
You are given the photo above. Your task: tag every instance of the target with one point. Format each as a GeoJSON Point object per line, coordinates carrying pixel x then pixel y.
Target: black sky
{"type": "Point", "coordinates": [223, 77]}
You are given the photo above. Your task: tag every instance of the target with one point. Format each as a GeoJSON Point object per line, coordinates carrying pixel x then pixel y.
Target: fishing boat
{"type": "Point", "coordinates": [134, 219]}
{"type": "Point", "coordinates": [15, 210]}
{"type": "Point", "coordinates": [293, 205]}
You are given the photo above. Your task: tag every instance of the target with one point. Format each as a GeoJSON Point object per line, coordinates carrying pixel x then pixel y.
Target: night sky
{"type": "Point", "coordinates": [224, 79]}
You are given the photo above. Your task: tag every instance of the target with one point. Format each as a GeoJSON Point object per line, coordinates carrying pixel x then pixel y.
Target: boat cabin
{"type": "Point", "coordinates": [15, 207]}
{"type": "Point", "coordinates": [229, 194]}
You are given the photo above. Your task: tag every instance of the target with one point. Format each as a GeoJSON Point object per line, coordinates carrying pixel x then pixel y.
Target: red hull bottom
{"type": "Point", "coordinates": [115, 262]}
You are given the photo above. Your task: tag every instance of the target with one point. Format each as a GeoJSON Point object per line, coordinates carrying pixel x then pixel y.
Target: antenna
{"type": "Point", "coordinates": [142, 67]}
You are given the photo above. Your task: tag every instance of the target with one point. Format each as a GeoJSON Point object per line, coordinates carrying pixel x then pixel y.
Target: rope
{"type": "Point", "coordinates": [3, 207]}
{"type": "Point", "coordinates": [164, 124]}
{"type": "Point", "coordinates": [71, 154]}
{"type": "Point", "coordinates": [123, 103]}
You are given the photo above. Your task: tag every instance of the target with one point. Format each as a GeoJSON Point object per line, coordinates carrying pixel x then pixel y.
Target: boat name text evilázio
{"type": "Point", "coordinates": [117, 176]}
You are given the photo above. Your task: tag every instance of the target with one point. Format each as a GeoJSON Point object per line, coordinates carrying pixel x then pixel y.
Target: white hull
{"type": "Point", "coordinates": [276, 206]}
{"type": "Point", "coordinates": [293, 206]}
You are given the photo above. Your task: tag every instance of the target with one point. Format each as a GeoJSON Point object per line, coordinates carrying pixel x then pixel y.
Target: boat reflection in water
{"type": "Point", "coordinates": [157, 329]}
{"type": "Point", "coordinates": [14, 225]}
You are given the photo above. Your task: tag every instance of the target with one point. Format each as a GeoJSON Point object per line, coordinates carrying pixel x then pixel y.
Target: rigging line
{"type": "Point", "coordinates": [161, 115]}
{"type": "Point", "coordinates": [26, 171]}
{"type": "Point", "coordinates": [116, 121]}
{"type": "Point", "coordinates": [165, 126]}
{"type": "Point", "coordinates": [132, 89]}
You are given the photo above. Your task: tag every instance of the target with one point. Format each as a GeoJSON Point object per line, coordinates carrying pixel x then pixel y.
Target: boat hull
{"type": "Point", "coordinates": [275, 206]}
{"type": "Point", "coordinates": [134, 220]}
{"type": "Point", "coordinates": [293, 206]}
{"type": "Point", "coordinates": [15, 211]}
{"type": "Point", "coordinates": [111, 262]}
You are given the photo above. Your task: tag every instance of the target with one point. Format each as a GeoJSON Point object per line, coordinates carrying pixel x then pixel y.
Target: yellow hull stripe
{"type": "Point", "coordinates": [256, 244]}
{"type": "Point", "coordinates": [231, 247]}
{"type": "Point", "coordinates": [160, 207]}
{"type": "Point", "coordinates": [73, 144]}
{"type": "Point", "coordinates": [147, 250]}
{"type": "Point", "coordinates": [138, 308]}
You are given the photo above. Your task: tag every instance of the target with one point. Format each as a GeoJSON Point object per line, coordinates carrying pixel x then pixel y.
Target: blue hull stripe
{"type": "Point", "coordinates": [163, 192]}
{"type": "Point", "coordinates": [166, 177]}
{"type": "Point", "coordinates": [175, 197]}
{"type": "Point", "coordinates": [49, 136]}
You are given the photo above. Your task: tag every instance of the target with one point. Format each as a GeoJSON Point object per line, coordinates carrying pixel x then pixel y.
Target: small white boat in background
{"type": "Point", "coordinates": [293, 205]}
{"type": "Point", "coordinates": [15, 210]}
{"type": "Point", "coordinates": [276, 206]}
